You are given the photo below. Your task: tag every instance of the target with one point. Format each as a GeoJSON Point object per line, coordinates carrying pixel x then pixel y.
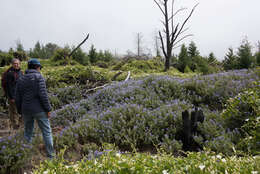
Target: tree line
{"type": "Point", "coordinates": [187, 60]}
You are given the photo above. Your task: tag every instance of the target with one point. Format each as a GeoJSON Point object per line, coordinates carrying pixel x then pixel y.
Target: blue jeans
{"type": "Point", "coordinates": [45, 127]}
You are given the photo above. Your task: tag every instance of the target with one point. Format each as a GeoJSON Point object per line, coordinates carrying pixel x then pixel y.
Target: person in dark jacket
{"type": "Point", "coordinates": [11, 79]}
{"type": "Point", "coordinates": [33, 103]}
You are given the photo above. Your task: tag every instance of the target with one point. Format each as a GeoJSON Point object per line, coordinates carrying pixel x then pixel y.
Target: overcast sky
{"type": "Point", "coordinates": [113, 24]}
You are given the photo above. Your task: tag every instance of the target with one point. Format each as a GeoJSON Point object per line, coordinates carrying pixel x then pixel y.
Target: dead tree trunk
{"type": "Point", "coordinates": [172, 32]}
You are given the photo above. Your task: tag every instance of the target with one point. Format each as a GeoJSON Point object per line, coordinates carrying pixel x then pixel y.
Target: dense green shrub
{"type": "Point", "coordinates": [21, 55]}
{"type": "Point", "coordinates": [243, 112]}
{"type": "Point", "coordinates": [138, 66]}
{"type": "Point", "coordinates": [5, 59]}
{"type": "Point", "coordinates": [61, 54]}
{"type": "Point", "coordinates": [69, 75]}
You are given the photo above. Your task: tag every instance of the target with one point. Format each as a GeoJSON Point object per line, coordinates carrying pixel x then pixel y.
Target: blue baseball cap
{"type": "Point", "coordinates": [34, 61]}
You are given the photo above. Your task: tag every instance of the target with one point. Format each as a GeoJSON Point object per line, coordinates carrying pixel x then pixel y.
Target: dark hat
{"type": "Point", "coordinates": [34, 61]}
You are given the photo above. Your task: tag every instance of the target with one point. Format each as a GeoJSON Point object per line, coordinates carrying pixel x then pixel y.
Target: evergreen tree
{"type": "Point", "coordinates": [50, 49]}
{"type": "Point", "coordinates": [245, 56]}
{"type": "Point", "coordinates": [183, 59]}
{"type": "Point", "coordinates": [230, 61]}
{"type": "Point", "coordinates": [108, 56]}
{"type": "Point", "coordinates": [257, 58]}
{"type": "Point", "coordinates": [37, 51]}
{"type": "Point", "coordinates": [93, 55]}
{"type": "Point", "coordinates": [192, 50]}
{"type": "Point", "coordinates": [80, 56]}
{"type": "Point", "coordinates": [19, 46]}
{"type": "Point", "coordinates": [193, 55]}
{"type": "Point", "coordinates": [257, 55]}
{"type": "Point", "coordinates": [212, 59]}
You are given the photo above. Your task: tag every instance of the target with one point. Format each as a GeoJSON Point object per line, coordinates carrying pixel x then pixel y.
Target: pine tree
{"type": "Point", "coordinates": [230, 62]}
{"type": "Point", "coordinates": [212, 59]}
{"type": "Point", "coordinates": [257, 55]}
{"type": "Point", "coordinates": [193, 55]}
{"type": "Point", "coordinates": [245, 56]}
{"type": "Point", "coordinates": [93, 55]}
{"type": "Point", "coordinates": [183, 59]}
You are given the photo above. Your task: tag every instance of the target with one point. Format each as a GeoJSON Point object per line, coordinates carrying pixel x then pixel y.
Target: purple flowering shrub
{"type": "Point", "coordinates": [215, 89]}
{"type": "Point", "coordinates": [14, 153]}
{"type": "Point", "coordinates": [129, 126]}
{"type": "Point", "coordinates": [67, 115]}
{"type": "Point", "coordinates": [63, 96]}
{"type": "Point", "coordinates": [147, 112]}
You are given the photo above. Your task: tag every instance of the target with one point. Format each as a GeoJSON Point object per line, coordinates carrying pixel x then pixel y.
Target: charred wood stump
{"type": "Point", "coordinates": [189, 129]}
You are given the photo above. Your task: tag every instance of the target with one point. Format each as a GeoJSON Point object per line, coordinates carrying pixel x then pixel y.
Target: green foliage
{"type": "Point", "coordinates": [68, 75]}
{"type": "Point", "coordinates": [139, 66]}
{"type": "Point", "coordinates": [230, 62]}
{"type": "Point", "coordinates": [242, 112]}
{"type": "Point", "coordinates": [14, 153]}
{"type": "Point", "coordinates": [49, 50]}
{"type": "Point", "coordinates": [212, 59]}
{"type": "Point", "coordinates": [61, 54]}
{"type": "Point", "coordinates": [193, 50]}
{"type": "Point", "coordinates": [93, 55]}
{"type": "Point", "coordinates": [193, 55]}
{"type": "Point", "coordinates": [245, 56]}
{"type": "Point", "coordinates": [116, 162]}
{"type": "Point", "coordinates": [183, 59]}
{"type": "Point", "coordinates": [21, 55]}
{"type": "Point", "coordinates": [5, 59]}
{"type": "Point", "coordinates": [81, 57]}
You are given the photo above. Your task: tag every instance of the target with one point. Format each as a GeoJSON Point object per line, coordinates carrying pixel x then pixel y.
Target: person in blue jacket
{"type": "Point", "coordinates": [32, 102]}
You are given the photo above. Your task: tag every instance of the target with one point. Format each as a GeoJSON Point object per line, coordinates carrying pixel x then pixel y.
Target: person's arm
{"type": "Point", "coordinates": [42, 92]}
{"type": "Point", "coordinates": [9, 85]}
{"type": "Point", "coordinates": [18, 98]}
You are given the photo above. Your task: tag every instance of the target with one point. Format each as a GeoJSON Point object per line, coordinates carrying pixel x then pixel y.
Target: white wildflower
{"type": "Point", "coordinates": [223, 160]}
{"type": "Point", "coordinates": [75, 166]}
{"type": "Point", "coordinates": [118, 154]}
{"type": "Point", "coordinates": [46, 172]}
{"type": "Point", "coordinates": [165, 172]}
{"type": "Point", "coordinates": [219, 156]}
{"type": "Point", "coordinates": [254, 172]}
{"type": "Point", "coordinates": [247, 119]}
{"type": "Point", "coordinates": [201, 167]}
{"type": "Point", "coordinates": [234, 150]}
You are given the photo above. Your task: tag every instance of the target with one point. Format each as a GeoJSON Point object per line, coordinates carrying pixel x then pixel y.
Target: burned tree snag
{"type": "Point", "coordinates": [172, 32]}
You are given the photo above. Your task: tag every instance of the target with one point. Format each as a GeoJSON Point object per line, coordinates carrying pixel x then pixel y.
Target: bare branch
{"type": "Point", "coordinates": [171, 17]}
{"type": "Point", "coordinates": [159, 7]}
{"type": "Point", "coordinates": [174, 33]}
{"type": "Point", "coordinates": [163, 23]}
{"type": "Point", "coordinates": [163, 48]}
{"type": "Point", "coordinates": [183, 31]}
{"type": "Point", "coordinates": [176, 47]}
{"type": "Point", "coordinates": [78, 46]}
{"type": "Point", "coordinates": [188, 35]}
{"type": "Point", "coordinates": [185, 21]}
